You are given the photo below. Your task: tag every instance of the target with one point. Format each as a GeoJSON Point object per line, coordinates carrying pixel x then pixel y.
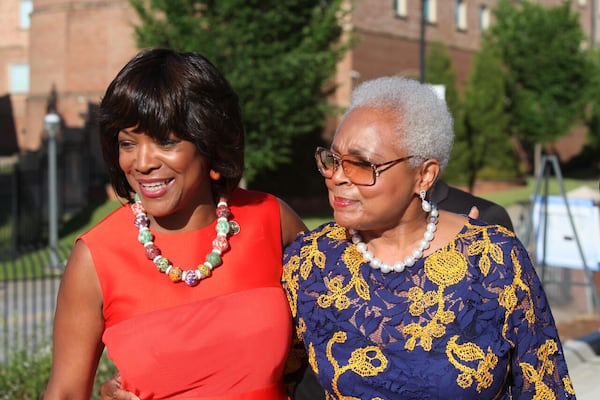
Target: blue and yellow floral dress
{"type": "Point", "coordinates": [470, 321]}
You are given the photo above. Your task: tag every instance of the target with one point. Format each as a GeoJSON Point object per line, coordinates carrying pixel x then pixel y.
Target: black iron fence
{"type": "Point", "coordinates": [24, 185]}
{"type": "Point", "coordinates": [28, 285]}
{"type": "Point", "coordinates": [28, 289]}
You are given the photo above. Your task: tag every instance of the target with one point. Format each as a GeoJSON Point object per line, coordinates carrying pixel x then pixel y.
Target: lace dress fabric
{"type": "Point", "coordinates": [470, 321]}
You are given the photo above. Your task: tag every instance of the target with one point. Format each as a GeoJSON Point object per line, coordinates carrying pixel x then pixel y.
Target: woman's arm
{"type": "Point", "coordinates": [78, 328]}
{"type": "Point", "coordinates": [291, 224]}
{"type": "Point", "coordinates": [538, 362]}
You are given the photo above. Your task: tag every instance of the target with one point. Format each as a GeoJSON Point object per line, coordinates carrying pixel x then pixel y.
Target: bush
{"type": "Point", "coordinates": [25, 375]}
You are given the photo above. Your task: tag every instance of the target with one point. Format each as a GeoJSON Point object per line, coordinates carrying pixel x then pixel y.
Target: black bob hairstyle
{"type": "Point", "coordinates": [162, 91]}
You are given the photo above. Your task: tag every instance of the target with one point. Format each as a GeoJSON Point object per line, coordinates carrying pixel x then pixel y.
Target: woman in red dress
{"type": "Point", "coordinates": [182, 282]}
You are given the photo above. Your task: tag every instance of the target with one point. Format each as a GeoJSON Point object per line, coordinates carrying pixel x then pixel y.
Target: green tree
{"type": "Point", "coordinates": [440, 71]}
{"type": "Point", "coordinates": [547, 69]}
{"type": "Point", "coordinates": [278, 55]}
{"type": "Point", "coordinates": [588, 157]}
{"type": "Point", "coordinates": [593, 115]}
{"type": "Point", "coordinates": [487, 137]}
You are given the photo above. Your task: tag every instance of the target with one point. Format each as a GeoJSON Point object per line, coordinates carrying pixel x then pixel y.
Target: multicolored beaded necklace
{"type": "Point", "coordinates": [191, 277]}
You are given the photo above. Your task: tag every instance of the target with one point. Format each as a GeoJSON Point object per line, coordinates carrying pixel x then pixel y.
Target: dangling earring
{"type": "Point", "coordinates": [425, 205]}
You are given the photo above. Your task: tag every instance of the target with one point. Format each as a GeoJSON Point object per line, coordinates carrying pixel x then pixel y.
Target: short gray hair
{"type": "Point", "coordinates": [423, 123]}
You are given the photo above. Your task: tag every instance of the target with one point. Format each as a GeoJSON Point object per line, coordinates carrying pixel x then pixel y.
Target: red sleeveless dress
{"type": "Point", "coordinates": [226, 338]}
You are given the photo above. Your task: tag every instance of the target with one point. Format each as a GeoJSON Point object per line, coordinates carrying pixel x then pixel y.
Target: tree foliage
{"type": "Point", "coordinates": [547, 69]}
{"type": "Point", "coordinates": [486, 120]}
{"type": "Point", "coordinates": [278, 55]}
{"type": "Point", "coordinates": [593, 115]}
{"type": "Point", "coordinates": [440, 71]}
{"type": "Point", "coordinates": [589, 154]}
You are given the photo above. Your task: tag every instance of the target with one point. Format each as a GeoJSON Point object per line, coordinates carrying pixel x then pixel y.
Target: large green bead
{"type": "Point", "coordinates": [214, 259]}
{"type": "Point", "coordinates": [145, 236]}
{"type": "Point", "coordinates": [223, 227]}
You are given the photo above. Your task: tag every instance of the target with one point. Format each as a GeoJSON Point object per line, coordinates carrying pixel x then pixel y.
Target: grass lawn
{"type": "Point", "coordinates": [92, 219]}
{"type": "Point", "coordinates": [523, 194]}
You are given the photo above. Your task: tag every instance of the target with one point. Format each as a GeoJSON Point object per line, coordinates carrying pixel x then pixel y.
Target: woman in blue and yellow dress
{"type": "Point", "coordinates": [398, 300]}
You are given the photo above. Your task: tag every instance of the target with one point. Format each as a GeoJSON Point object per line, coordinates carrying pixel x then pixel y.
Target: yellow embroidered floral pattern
{"type": "Point", "coordinates": [508, 298]}
{"type": "Point", "coordinates": [542, 391]}
{"type": "Point", "coordinates": [486, 250]}
{"type": "Point", "coordinates": [291, 278]}
{"type": "Point", "coordinates": [529, 313]}
{"type": "Point", "coordinates": [312, 360]}
{"type": "Point", "coordinates": [367, 361]}
{"type": "Point", "coordinates": [469, 353]}
{"type": "Point", "coordinates": [536, 375]}
{"type": "Point", "coordinates": [300, 328]}
{"type": "Point", "coordinates": [420, 300]}
{"type": "Point", "coordinates": [568, 385]}
{"type": "Point", "coordinates": [337, 291]}
{"type": "Point", "coordinates": [337, 233]}
{"type": "Point", "coordinates": [445, 268]}
{"type": "Point", "coordinates": [311, 255]}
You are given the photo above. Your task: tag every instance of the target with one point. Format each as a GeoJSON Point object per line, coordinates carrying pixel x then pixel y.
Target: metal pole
{"type": "Point", "coordinates": [52, 122]}
{"type": "Point", "coordinates": [16, 215]}
{"type": "Point", "coordinates": [422, 43]}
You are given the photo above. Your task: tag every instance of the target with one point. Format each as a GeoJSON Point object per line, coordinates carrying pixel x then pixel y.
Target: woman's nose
{"type": "Point", "coordinates": [339, 176]}
{"type": "Point", "coordinates": [146, 159]}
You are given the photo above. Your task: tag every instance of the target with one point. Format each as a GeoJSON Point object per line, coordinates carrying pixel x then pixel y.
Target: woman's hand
{"type": "Point", "coordinates": [474, 213]}
{"type": "Point", "coordinates": [111, 390]}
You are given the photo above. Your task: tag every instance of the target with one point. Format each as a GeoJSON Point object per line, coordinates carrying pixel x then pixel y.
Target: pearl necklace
{"type": "Point", "coordinates": [176, 274]}
{"type": "Point", "coordinates": [409, 261]}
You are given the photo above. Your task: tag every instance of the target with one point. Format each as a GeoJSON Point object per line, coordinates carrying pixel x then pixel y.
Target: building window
{"type": "Point", "coordinates": [18, 75]}
{"type": "Point", "coordinates": [400, 8]}
{"type": "Point", "coordinates": [25, 10]}
{"type": "Point", "coordinates": [460, 15]}
{"type": "Point", "coordinates": [430, 9]}
{"type": "Point", "coordinates": [484, 17]}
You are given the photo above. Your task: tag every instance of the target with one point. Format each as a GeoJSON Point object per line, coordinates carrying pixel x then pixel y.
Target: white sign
{"type": "Point", "coordinates": [556, 244]}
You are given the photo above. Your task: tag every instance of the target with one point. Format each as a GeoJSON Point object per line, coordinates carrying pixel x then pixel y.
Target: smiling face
{"type": "Point", "coordinates": [170, 176]}
{"type": "Point", "coordinates": [368, 134]}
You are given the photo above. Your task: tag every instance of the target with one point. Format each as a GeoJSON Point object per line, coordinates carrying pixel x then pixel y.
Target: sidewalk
{"type": "Point", "coordinates": [579, 330]}
{"type": "Point", "coordinates": [583, 360]}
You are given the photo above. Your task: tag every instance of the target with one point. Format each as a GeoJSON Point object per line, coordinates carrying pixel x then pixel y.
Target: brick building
{"type": "Point", "coordinates": [14, 71]}
{"type": "Point", "coordinates": [76, 47]}
{"type": "Point", "coordinates": [72, 47]}
{"type": "Point", "coordinates": [389, 33]}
